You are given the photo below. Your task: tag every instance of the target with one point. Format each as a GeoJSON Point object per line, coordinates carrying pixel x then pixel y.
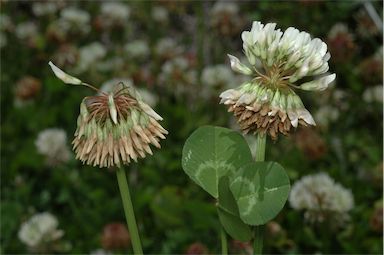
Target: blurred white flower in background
{"type": "Point", "coordinates": [168, 48]}
{"type": "Point", "coordinates": [218, 76]}
{"type": "Point", "coordinates": [45, 8]}
{"type": "Point", "coordinates": [114, 13]}
{"type": "Point", "coordinates": [89, 55]}
{"type": "Point", "coordinates": [137, 49]}
{"type": "Point", "coordinates": [373, 94]}
{"type": "Point", "coordinates": [52, 143]}
{"type": "Point", "coordinates": [215, 78]}
{"type": "Point", "coordinates": [160, 14]}
{"type": "Point", "coordinates": [39, 230]}
{"type": "Point", "coordinates": [115, 84]}
{"type": "Point", "coordinates": [110, 85]}
{"type": "Point", "coordinates": [5, 22]}
{"type": "Point", "coordinates": [26, 30]}
{"type": "Point", "coordinates": [326, 114]}
{"type": "Point", "coordinates": [74, 20]}
{"type": "Point", "coordinates": [321, 197]}
{"type": "Point", "coordinates": [3, 40]}
{"type": "Point", "coordinates": [100, 252]}
{"type": "Point", "coordinates": [225, 18]}
{"type": "Point", "coordinates": [111, 64]}
{"type": "Point", "coordinates": [177, 75]}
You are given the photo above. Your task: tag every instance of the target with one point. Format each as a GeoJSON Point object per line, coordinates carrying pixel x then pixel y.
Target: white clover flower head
{"type": "Point", "coordinates": [217, 76]}
{"type": "Point", "coordinates": [40, 229]}
{"type": "Point", "coordinates": [337, 29]}
{"type": "Point", "coordinates": [52, 143]}
{"type": "Point", "coordinates": [167, 48]}
{"type": "Point", "coordinates": [113, 63]}
{"type": "Point", "coordinates": [287, 57]}
{"type": "Point", "coordinates": [89, 55]}
{"type": "Point", "coordinates": [225, 18]}
{"type": "Point", "coordinates": [3, 40]}
{"type": "Point", "coordinates": [320, 195]}
{"type": "Point", "coordinates": [138, 49]}
{"type": "Point", "coordinates": [160, 14]}
{"type": "Point", "coordinates": [114, 13]}
{"type": "Point", "coordinates": [326, 114]}
{"type": "Point", "coordinates": [75, 16]}
{"type": "Point", "coordinates": [373, 94]}
{"type": "Point", "coordinates": [5, 22]}
{"type": "Point", "coordinates": [26, 30]}
{"type": "Point", "coordinates": [44, 8]}
{"type": "Point", "coordinates": [74, 20]}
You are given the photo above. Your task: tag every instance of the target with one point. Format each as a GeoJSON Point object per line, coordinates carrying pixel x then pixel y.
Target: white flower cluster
{"type": "Point", "coordinates": [52, 143]}
{"type": "Point", "coordinates": [326, 114]}
{"type": "Point", "coordinates": [160, 14]}
{"type": "Point", "coordinates": [221, 7]}
{"type": "Point", "coordinates": [117, 83]}
{"type": "Point", "coordinates": [176, 72]}
{"type": "Point", "coordinates": [5, 25]}
{"type": "Point", "coordinates": [76, 20]}
{"type": "Point", "coordinates": [137, 49]}
{"type": "Point", "coordinates": [337, 29]}
{"type": "Point", "coordinates": [319, 193]}
{"type": "Point", "coordinates": [167, 47]}
{"type": "Point", "coordinates": [218, 76]}
{"type": "Point", "coordinates": [45, 8]}
{"type": "Point", "coordinates": [39, 230]}
{"type": "Point", "coordinates": [294, 52]}
{"type": "Point", "coordinates": [89, 56]}
{"type": "Point", "coordinates": [26, 30]}
{"type": "Point", "coordinates": [373, 94]}
{"type": "Point", "coordinates": [114, 13]}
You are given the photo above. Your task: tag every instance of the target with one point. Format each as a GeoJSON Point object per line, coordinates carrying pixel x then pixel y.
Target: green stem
{"type": "Point", "coordinates": [260, 147]}
{"type": "Point", "coordinates": [128, 209]}
{"type": "Point", "coordinates": [258, 240]}
{"type": "Point", "coordinates": [224, 245]}
{"type": "Point", "coordinates": [259, 230]}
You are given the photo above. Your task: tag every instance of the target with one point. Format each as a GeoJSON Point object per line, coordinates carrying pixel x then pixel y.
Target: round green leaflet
{"type": "Point", "coordinates": [212, 152]}
{"type": "Point", "coordinates": [261, 190]}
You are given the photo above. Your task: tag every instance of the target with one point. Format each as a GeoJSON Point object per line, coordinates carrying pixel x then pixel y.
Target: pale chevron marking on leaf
{"type": "Point", "coordinates": [249, 185]}
{"type": "Point", "coordinates": [188, 157]}
{"type": "Point", "coordinates": [216, 166]}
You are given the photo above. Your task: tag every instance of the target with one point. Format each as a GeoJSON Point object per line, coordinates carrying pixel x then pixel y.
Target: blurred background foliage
{"type": "Point", "coordinates": [175, 53]}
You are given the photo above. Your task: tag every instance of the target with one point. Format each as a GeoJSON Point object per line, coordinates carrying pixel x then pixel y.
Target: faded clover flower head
{"type": "Point", "coordinates": [268, 103]}
{"type": "Point", "coordinates": [321, 197]}
{"type": "Point", "coordinates": [113, 128]}
{"type": "Point", "coordinates": [39, 230]}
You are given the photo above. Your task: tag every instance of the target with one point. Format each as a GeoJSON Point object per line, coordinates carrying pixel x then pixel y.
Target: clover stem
{"type": "Point", "coordinates": [128, 209]}
{"type": "Point", "coordinates": [259, 230]}
{"type": "Point", "coordinates": [224, 245]}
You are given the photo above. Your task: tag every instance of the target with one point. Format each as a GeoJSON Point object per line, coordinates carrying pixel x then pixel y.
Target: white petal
{"type": "Point", "coordinates": [319, 84]}
{"type": "Point", "coordinates": [237, 66]}
{"type": "Point", "coordinates": [148, 110]}
{"type": "Point", "coordinates": [230, 94]}
{"type": "Point", "coordinates": [306, 116]}
{"type": "Point", "coordinates": [245, 99]}
{"type": "Point", "coordinates": [293, 117]}
{"type": "Point", "coordinates": [63, 76]}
